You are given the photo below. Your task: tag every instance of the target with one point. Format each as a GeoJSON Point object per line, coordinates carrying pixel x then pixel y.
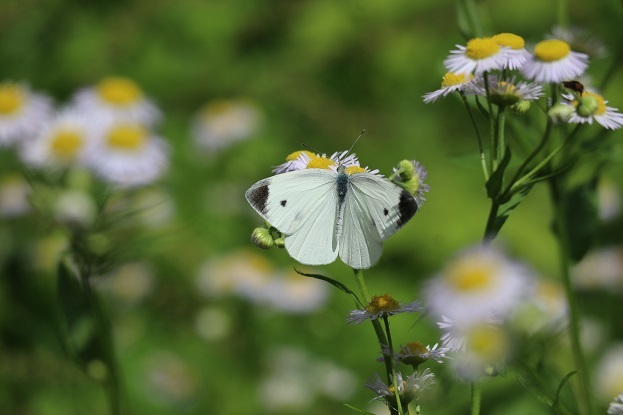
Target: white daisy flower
{"type": "Point", "coordinates": [294, 161]}
{"type": "Point", "coordinates": [382, 306]}
{"type": "Point", "coordinates": [219, 124]}
{"type": "Point", "coordinates": [554, 62]}
{"type": "Point", "coordinates": [486, 346]}
{"type": "Point", "coordinates": [22, 113]}
{"type": "Point", "coordinates": [75, 208]}
{"type": "Point", "coordinates": [600, 269]}
{"type": "Point", "coordinates": [507, 92]}
{"type": "Point", "coordinates": [608, 375]}
{"type": "Point", "coordinates": [479, 55]}
{"type": "Point", "coordinates": [616, 406]}
{"type": "Point", "coordinates": [451, 82]}
{"type": "Point", "coordinates": [454, 336]}
{"type": "Point", "coordinates": [479, 283]}
{"type": "Point", "coordinates": [117, 99]}
{"type": "Point", "coordinates": [517, 53]}
{"type": "Point", "coordinates": [65, 141]}
{"type": "Point", "coordinates": [415, 353]}
{"type": "Point", "coordinates": [592, 106]}
{"type": "Point", "coordinates": [296, 294]}
{"type": "Point", "coordinates": [14, 195]}
{"type": "Point", "coordinates": [244, 273]}
{"type": "Point", "coordinates": [408, 389]}
{"type": "Point", "coordinates": [129, 155]}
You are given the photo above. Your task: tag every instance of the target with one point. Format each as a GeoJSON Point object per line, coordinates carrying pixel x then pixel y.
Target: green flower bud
{"type": "Point", "coordinates": [262, 238]}
{"type": "Point", "coordinates": [560, 113]}
{"type": "Point", "coordinates": [280, 242]}
{"type": "Point", "coordinates": [587, 106]}
{"type": "Point", "coordinates": [406, 170]}
{"type": "Point", "coordinates": [521, 107]}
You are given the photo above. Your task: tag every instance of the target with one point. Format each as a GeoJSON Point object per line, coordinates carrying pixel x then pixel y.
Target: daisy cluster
{"type": "Point", "coordinates": [107, 128]}
{"type": "Point", "coordinates": [502, 70]}
{"type": "Point", "coordinates": [472, 297]}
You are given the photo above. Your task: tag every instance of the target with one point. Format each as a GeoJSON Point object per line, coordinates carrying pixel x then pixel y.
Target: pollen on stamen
{"type": "Point", "coordinates": [382, 303]}
{"type": "Point", "coordinates": [510, 40]}
{"type": "Point", "coordinates": [320, 162]}
{"type": "Point", "coordinates": [551, 50]}
{"type": "Point", "coordinates": [355, 169]}
{"type": "Point", "coordinates": [481, 48]}
{"type": "Point", "coordinates": [452, 79]}
{"type": "Point", "coordinates": [297, 154]}
{"type": "Point", "coordinates": [469, 275]}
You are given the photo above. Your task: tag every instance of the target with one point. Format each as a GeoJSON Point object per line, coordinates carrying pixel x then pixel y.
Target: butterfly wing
{"type": "Point", "coordinates": [302, 205]}
{"type": "Point", "coordinates": [374, 209]}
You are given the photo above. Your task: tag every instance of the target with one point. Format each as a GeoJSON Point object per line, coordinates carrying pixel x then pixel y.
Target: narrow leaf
{"type": "Point", "coordinates": [494, 184]}
{"type": "Point", "coordinates": [331, 281]}
{"type": "Point", "coordinates": [361, 411]}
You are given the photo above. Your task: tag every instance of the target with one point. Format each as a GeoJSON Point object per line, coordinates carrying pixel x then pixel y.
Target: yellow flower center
{"type": "Point", "coordinates": [297, 154]}
{"type": "Point", "coordinates": [217, 107]}
{"type": "Point", "coordinates": [355, 169]}
{"type": "Point", "coordinates": [380, 303]}
{"type": "Point", "coordinates": [488, 342]}
{"type": "Point", "coordinates": [601, 105]}
{"type": "Point", "coordinates": [119, 91]}
{"type": "Point", "coordinates": [127, 137]}
{"type": "Point", "coordinates": [471, 274]}
{"type": "Point", "coordinates": [66, 143]}
{"type": "Point", "coordinates": [509, 40]}
{"type": "Point", "coordinates": [320, 162]}
{"type": "Point", "coordinates": [481, 48]}
{"type": "Point", "coordinates": [551, 50]}
{"type": "Point", "coordinates": [11, 98]}
{"type": "Point", "coordinates": [414, 348]}
{"type": "Point", "coordinates": [452, 79]}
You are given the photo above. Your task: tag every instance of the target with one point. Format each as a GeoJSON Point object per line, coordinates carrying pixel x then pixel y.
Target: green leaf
{"type": "Point", "coordinates": [579, 207]}
{"type": "Point", "coordinates": [333, 282]}
{"type": "Point", "coordinates": [507, 208]}
{"type": "Point", "coordinates": [494, 184]}
{"type": "Point", "coordinates": [563, 382]}
{"type": "Point", "coordinates": [361, 411]}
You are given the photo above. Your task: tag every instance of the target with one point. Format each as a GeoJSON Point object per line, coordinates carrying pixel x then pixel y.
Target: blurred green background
{"type": "Point", "coordinates": [319, 71]}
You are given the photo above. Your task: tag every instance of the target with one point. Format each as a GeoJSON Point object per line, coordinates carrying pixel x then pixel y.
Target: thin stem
{"type": "Point", "coordinates": [476, 396]}
{"type": "Point", "coordinates": [529, 159]}
{"type": "Point", "coordinates": [394, 377]}
{"type": "Point", "coordinates": [492, 131]}
{"type": "Point", "coordinates": [378, 330]}
{"type": "Point", "coordinates": [481, 150]}
{"type": "Point", "coordinates": [501, 126]}
{"type": "Point", "coordinates": [490, 228]}
{"type": "Point", "coordinates": [584, 392]}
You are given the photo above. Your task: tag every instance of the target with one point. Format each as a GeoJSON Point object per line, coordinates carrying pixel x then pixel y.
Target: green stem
{"type": "Point", "coordinates": [112, 383]}
{"type": "Point", "coordinates": [472, 16]}
{"type": "Point", "coordinates": [492, 130]}
{"type": "Point", "coordinates": [481, 150]}
{"type": "Point", "coordinates": [476, 396]}
{"type": "Point", "coordinates": [401, 411]}
{"type": "Point", "coordinates": [491, 229]}
{"type": "Point", "coordinates": [378, 330]}
{"type": "Point", "coordinates": [528, 160]}
{"type": "Point", "coordinates": [501, 126]}
{"type": "Point", "coordinates": [584, 392]}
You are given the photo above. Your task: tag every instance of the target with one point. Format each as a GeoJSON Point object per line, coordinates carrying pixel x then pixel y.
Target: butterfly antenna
{"type": "Point", "coordinates": [356, 139]}
{"type": "Point", "coordinates": [311, 148]}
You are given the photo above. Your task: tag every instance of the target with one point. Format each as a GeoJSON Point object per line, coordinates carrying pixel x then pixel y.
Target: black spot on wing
{"type": "Point", "coordinates": [407, 207]}
{"type": "Point", "coordinates": [385, 211]}
{"type": "Point", "coordinates": [283, 203]}
{"type": "Point", "coordinates": [258, 195]}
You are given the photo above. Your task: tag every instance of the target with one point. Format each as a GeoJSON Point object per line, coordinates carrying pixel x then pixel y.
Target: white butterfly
{"type": "Point", "coordinates": [324, 212]}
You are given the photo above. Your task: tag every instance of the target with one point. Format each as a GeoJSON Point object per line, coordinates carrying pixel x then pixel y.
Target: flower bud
{"type": "Point", "coordinates": [560, 113]}
{"type": "Point", "coordinates": [262, 238]}
{"type": "Point", "coordinates": [587, 105]}
{"type": "Point", "coordinates": [280, 242]}
{"type": "Point", "coordinates": [521, 107]}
